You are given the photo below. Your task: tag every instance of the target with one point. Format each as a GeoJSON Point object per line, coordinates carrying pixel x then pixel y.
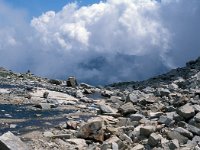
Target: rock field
{"type": "Point", "coordinates": [161, 113]}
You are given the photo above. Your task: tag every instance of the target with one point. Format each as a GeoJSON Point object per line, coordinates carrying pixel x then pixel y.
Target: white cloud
{"type": "Point", "coordinates": [110, 41]}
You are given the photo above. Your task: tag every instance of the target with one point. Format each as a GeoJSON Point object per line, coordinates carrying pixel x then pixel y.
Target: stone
{"type": "Point", "coordinates": [196, 108]}
{"type": "Point", "coordinates": [71, 82]}
{"type": "Point", "coordinates": [107, 93]}
{"type": "Point", "coordinates": [115, 146]}
{"type": "Point", "coordinates": [72, 125]}
{"type": "Point", "coordinates": [115, 139]}
{"type": "Point", "coordinates": [174, 116]}
{"type": "Point", "coordinates": [62, 136]}
{"type": "Point", "coordinates": [165, 120]}
{"type": "Point", "coordinates": [93, 129]}
{"type": "Point", "coordinates": [123, 121]}
{"type": "Point", "coordinates": [87, 86]}
{"type": "Point", "coordinates": [175, 135]}
{"type": "Point", "coordinates": [186, 111]}
{"type": "Point", "coordinates": [106, 109]}
{"type": "Point", "coordinates": [80, 143]}
{"type": "Point", "coordinates": [174, 144]}
{"type": "Point", "coordinates": [45, 106]}
{"type": "Point", "coordinates": [86, 100]}
{"type": "Point", "coordinates": [132, 98]}
{"type": "Point", "coordinates": [193, 129]}
{"type": "Point", "coordinates": [163, 92]}
{"type": "Point", "coordinates": [147, 130]}
{"type": "Point", "coordinates": [125, 137]}
{"type": "Point", "coordinates": [48, 134]}
{"type": "Point", "coordinates": [136, 117]}
{"type": "Point", "coordinates": [45, 94]}
{"type": "Point", "coordinates": [173, 86]}
{"type": "Point", "coordinates": [79, 94]}
{"type": "Point", "coordinates": [13, 126]}
{"type": "Point", "coordinates": [138, 147]}
{"type": "Point", "coordinates": [127, 108]}
{"type": "Point", "coordinates": [184, 132]}
{"type": "Point", "coordinates": [197, 117]}
{"type": "Point", "coordinates": [8, 141]}
{"type": "Point", "coordinates": [87, 91]}
{"type": "Point", "coordinates": [54, 81]}
{"type": "Point", "coordinates": [154, 139]}
{"type": "Point", "coordinates": [153, 115]}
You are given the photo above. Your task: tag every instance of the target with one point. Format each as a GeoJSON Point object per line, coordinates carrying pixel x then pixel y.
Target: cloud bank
{"type": "Point", "coordinates": [112, 41]}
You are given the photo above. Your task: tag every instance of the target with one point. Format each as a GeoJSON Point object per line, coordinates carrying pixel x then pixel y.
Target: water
{"type": "Point", "coordinates": [29, 119]}
{"type": "Point", "coordinates": [8, 86]}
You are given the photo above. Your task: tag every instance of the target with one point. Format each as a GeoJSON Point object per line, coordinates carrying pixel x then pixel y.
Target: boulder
{"type": "Point", "coordinates": [8, 141]}
{"type": "Point", "coordinates": [173, 144]}
{"type": "Point", "coordinates": [132, 98]}
{"type": "Point", "coordinates": [93, 129]}
{"type": "Point", "coordinates": [147, 130]}
{"type": "Point", "coordinates": [107, 93]}
{"type": "Point", "coordinates": [197, 117]}
{"type": "Point", "coordinates": [138, 147]}
{"type": "Point", "coordinates": [79, 143]}
{"type": "Point", "coordinates": [186, 111]}
{"type": "Point", "coordinates": [184, 132]}
{"type": "Point", "coordinates": [176, 135]}
{"type": "Point", "coordinates": [106, 108]}
{"type": "Point", "coordinates": [45, 94]}
{"type": "Point", "coordinates": [71, 82]}
{"type": "Point", "coordinates": [45, 106]}
{"type": "Point", "coordinates": [113, 141]}
{"type": "Point", "coordinates": [154, 139]}
{"type": "Point", "coordinates": [193, 129]}
{"type": "Point", "coordinates": [165, 120]}
{"type": "Point", "coordinates": [163, 92]}
{"type": "Point", "coordinates": [127, 108]}
{"type": "Point", "coordinates": [136, 117]}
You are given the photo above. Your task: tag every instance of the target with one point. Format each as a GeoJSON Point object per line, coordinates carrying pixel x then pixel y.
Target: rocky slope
{"type": "Point", "coordinates": [160, 113]}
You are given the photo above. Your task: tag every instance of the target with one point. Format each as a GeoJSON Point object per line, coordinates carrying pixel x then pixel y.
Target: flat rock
{"type": "Point", "coordinates": [8, 141]}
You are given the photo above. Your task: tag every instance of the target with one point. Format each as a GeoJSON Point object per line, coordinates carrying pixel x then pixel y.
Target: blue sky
{"type": "Point", "coordinates": [35, 8]}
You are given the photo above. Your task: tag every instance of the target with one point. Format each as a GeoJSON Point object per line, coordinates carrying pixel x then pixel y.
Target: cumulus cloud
{"type": "Point", "coordinates": [115, 40]}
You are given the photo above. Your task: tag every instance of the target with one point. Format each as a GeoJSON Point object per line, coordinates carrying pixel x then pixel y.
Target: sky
{"type": "Point", "coordinates": [35, 8]}
{"type": "Point", "coordinates": [99, 42]}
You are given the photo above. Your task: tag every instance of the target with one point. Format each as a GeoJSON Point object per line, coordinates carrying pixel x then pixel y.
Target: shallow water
{"type": "Point", "coordinates": [29, 119]}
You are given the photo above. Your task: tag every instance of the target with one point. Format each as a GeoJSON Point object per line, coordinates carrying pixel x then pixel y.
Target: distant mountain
{"type": "Point", "coordinates": [185, 76]}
